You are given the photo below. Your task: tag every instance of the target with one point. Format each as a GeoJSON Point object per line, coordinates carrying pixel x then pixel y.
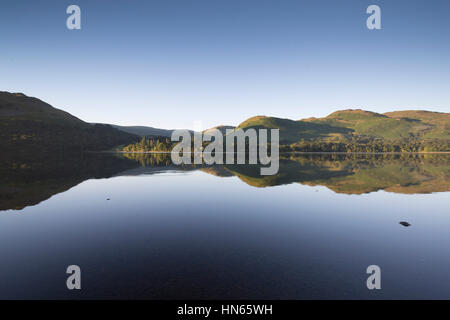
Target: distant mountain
{"type": "Point", "coordinates": [223, 129]}
{"type": "Point", "coordinates": [31, 125]}
{"type": "Point", "coordinates": [143, 131]}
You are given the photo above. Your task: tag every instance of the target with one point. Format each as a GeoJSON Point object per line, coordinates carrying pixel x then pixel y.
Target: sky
{"type": "Point", "coordinates": [200, 63]}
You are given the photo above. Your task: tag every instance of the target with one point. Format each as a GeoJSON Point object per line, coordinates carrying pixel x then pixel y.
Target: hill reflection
{"type": "Point", "coordinates": [29, 180]}
{"type": "Point", "coordinates": [342, 173]}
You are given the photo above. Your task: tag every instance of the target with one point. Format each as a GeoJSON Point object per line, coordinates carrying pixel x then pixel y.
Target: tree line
{"type": "Point", "coordinates": [151, 144]}
{"type": "Point", "coordinates": [376, 145]}
{"type": "Point", "coordinates": [164, 144]}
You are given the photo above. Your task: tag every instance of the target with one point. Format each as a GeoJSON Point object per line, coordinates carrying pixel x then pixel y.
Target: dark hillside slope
{"type": "Point", "coordinates": [28, 124]}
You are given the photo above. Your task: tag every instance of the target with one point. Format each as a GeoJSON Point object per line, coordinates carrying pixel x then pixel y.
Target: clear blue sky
{"type": "Point", "coordinates": [170, 63]}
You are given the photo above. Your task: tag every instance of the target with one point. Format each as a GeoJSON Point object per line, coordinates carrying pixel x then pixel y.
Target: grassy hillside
{"type": "Point", "coordinates": [292, 131]}
{"type": "Point", "coordinates": [392, 125]}
{"type": "Point", "coordinates": [31, 125]}
{"type": "Point", "coordinates": [436, 118]}
{"type": "Point", "coordinates": [372, 124]}
{"type": "Point", "coordinates": [361, 131]}
{"type": "Point", "coordinates": [437, 123]}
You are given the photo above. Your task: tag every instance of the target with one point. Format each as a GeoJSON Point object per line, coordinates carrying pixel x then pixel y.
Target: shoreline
{"type": "Point", "coordinates": [295, 152]}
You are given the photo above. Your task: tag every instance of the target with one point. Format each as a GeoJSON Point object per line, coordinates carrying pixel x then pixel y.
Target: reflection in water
{"type": "Point", "coordinates": [26, 181]}
{"type": "Point", "coordinates": [29, 179]}
{"type": "Point", "coordinates": [357, 174]}
{"type": "Point", "coordinates": [153, 230]}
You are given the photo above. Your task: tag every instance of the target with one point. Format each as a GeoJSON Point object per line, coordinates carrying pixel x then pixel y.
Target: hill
{"type": "Point", "coordinates": [438, 123]}
{"type": "Point", "coordinates": [32, 125]}
{"type": "Point", "coordinates": [361, 131]}
{"type": "Point", "coordinates": [372, 124]}
{"type": "Point", "coordinates": [391, 125]}
{"type": "Point", "coordinates": [223, 129]}
{"type": "Point", "coordinates": [436, 118]}
{"type": "Point", "coordinates": [144, 131]}
{"type": "Point", "coordinates": [292, 131]}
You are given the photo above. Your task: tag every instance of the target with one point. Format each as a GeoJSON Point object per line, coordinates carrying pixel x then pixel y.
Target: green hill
{"type": "Point", "coordinates": [436, 124]}
{"type": "Point", "coordinates": [364, 131]}
{"type": "Point", "coordinates": [373, 124]}
{"type": "Point", "coordinates": [391, 125]}
{"type": "Point", "coordinates": [292, 131]}
{"type": "Point", "coordinates": [435, 118]}
{"type": "Point", "coordinates": [28, 124]}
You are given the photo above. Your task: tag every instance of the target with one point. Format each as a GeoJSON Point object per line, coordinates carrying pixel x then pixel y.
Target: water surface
{"type": "Point", "coordinates": [224, 232]}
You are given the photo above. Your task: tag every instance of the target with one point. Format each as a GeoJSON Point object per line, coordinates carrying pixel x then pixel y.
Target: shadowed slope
{"type": "Point", "coordinates": [30, 125]}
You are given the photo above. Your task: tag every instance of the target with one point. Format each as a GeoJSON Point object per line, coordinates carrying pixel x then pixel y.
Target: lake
{"type": "Point", "coordinates": [140, 227]}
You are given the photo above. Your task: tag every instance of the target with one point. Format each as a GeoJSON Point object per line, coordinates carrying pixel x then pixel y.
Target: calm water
{"type": "Point", "coordinates": [225, 232]}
